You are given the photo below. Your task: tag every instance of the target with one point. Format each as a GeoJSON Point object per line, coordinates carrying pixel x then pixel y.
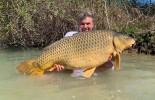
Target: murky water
{"type": "Point", "coordinates": [134, 81]}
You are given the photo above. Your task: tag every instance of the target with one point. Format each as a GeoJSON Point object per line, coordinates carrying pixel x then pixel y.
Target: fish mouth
{"type": "Point", "coordinates": [133, 43]}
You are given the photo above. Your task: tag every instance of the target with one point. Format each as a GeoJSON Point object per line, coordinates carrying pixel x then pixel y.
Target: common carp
{"type": "Point", "coordinates": [85, 50]}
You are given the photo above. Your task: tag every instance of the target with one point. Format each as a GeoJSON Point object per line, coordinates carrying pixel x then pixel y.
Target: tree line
{"type": "Point", "coordinates": [38, 23]}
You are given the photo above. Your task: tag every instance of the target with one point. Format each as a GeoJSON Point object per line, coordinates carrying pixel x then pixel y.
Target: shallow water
{"type": "Point", "coordinates": [134, 81]}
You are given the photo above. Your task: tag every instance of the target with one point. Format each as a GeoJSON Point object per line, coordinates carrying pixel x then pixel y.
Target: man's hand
{"type": "Point", "coordinates": [59, 67]}
{"type": "Point", "coordinates": [110, 57]}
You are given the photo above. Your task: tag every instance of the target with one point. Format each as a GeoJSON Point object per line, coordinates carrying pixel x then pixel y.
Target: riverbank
{"type": "Point", "coordinates": [35, 24]}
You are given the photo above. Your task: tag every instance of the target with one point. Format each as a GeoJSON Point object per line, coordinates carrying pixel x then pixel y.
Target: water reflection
{"type": "Point", "coordinates": [134, 81]}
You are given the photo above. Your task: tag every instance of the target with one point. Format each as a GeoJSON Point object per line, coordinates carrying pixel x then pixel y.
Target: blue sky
{"type": "Point", "coordinates": [146, 1]}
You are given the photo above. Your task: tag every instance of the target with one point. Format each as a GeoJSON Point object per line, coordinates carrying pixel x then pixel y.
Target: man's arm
{"type": "Point", "coordinates": [71, 33]}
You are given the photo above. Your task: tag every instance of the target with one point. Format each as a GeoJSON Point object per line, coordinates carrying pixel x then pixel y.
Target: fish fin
{"type": "Point", "coordinates": [29, 67]}
{"type": "Point", "coordinates": [88, 72]}
{"type": "Point", "coordinates": [114, 53]}
{"type": "Point", "coordinates": [51, 69]}
{"type": "Point", "coordinates": [117, 60]}
{"type": "Point", "coordinates": [49, 66]}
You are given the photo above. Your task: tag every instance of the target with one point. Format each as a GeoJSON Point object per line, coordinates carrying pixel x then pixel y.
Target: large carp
{"type": "Point", "coordinates": [85, 50]}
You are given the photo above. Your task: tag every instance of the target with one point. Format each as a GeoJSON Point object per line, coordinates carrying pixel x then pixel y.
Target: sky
{"type": "Point", "coordinates": [146, 1]}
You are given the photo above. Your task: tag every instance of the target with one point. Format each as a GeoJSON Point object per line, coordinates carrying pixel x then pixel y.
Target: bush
{"type": "Point", "coordinates": [38, 23]}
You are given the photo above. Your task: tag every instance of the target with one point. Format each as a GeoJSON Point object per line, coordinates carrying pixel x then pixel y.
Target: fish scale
{"type": "Point", "coordinates": [77, 50]}
{"type": "Point", "coordinates": [81, 51]}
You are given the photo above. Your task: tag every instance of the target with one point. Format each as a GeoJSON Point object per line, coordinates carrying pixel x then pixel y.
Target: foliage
{"type": "Point", "coordinates": [129, 29]}
{"type": "Point", "coordinates": [38, 23]}
{"type": "Point", "coordinates": [146, 43]}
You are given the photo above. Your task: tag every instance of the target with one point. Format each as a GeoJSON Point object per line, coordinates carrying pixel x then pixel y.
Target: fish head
{"type": "Point", "coordinates": [122, 42]}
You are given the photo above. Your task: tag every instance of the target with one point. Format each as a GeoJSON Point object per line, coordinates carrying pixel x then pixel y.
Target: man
{"type": "Point", "coordinates": [85, 23]}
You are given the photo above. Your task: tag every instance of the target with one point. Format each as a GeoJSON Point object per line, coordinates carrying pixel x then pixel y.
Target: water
{"type": "Point", "coordinates": [134, 81]}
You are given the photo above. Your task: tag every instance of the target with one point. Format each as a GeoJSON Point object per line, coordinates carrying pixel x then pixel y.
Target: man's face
{"type": "Point", "coordinates": [86, 24]}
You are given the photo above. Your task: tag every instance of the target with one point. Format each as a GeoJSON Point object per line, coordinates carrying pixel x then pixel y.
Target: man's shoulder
{"type": "Point", "coordinates": [71, 33]}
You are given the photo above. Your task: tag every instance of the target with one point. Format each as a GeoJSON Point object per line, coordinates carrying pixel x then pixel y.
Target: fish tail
{"type": "Point", "coordinates": [29, 67]}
